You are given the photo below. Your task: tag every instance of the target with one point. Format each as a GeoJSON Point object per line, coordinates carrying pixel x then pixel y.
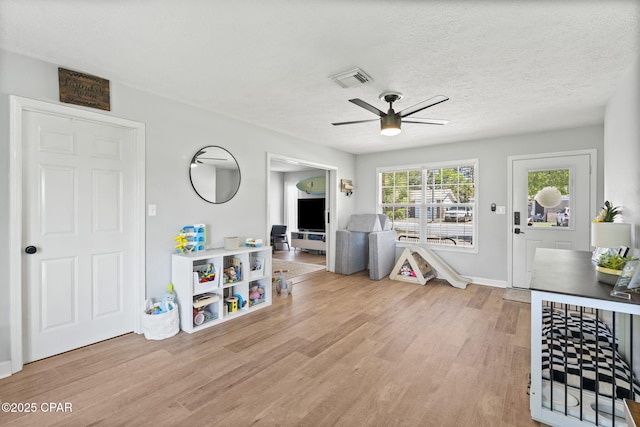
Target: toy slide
{"type": "Point", "coordinates": [416, 257]}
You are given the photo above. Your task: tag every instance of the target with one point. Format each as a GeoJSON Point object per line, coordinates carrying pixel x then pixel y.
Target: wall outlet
{"type": "Point", "coordinates": [501, 210]}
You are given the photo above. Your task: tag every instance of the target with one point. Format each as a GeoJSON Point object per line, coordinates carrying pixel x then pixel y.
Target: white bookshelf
{"type": "Point", "coordinates": [195, 288]}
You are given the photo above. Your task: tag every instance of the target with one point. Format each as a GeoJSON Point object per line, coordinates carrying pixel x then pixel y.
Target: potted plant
{"type": "Point", "coordinates": [609, 267]}
{"type": "Point", "coordinates": [608, 236]}
{"type": "Point", "coordinates": [608, 213]}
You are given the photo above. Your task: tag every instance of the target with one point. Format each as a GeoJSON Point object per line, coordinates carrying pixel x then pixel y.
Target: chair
{"type": "Point", "coordinates": [279, 236]}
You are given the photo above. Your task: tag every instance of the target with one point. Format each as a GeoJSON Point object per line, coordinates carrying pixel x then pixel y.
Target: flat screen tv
{"type": "Point", "coordinates": [311, 214]}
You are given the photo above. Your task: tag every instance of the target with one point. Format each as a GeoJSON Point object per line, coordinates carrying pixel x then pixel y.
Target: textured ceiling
{"type": "Point", "coordinates": [507, 66]}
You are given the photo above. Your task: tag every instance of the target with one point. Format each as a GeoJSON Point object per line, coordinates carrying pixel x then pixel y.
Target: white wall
{"type": "Point", "coordinates": [621, 165]}
{"type": "Point", "coordinates": [490, 262]}
{"type": "Point", "coordinates": [276, 198]}
{"type": "Point", "coordinates": [174, 132]}
{"type": "Point", "coordinates": [622, 148]}
{"type": "Point", "coordinates": [299, 176]}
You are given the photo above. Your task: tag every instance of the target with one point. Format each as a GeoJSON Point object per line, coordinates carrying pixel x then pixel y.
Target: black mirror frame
{"type": "Point", "coordinates": [193, 159]}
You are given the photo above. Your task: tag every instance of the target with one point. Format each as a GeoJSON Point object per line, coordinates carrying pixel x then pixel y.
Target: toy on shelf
{"type": "Point", "coordinates": [235, 303]}
{"type": "Point", "coordinates": [181, 243]}
{"type": "Point", "coordinates": [192, 238]}
{"type": "Point", "coordinates": [231, 274]}
{"type": "Point", "coordinates": [257, 267]}
{"type": "Point", "coordinates": [203, 310]}
{"type": "Point", "coordinates": [204, 300]}
{"type": "Point", "coordinates": [232, 304]}
{"type": "Point", "coordinates": [241, 302]}
{"type": "Point", "coordinates": [253, 243]}
{"type": "Point", "coordinates": [256, 294]}
{"type": "Point", "coordinates": [233, 271]}
{"type": "Point", "coordinates": [206, 273]}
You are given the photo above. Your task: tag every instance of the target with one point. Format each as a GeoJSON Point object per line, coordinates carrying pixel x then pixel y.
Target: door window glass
{"type": "Point", "coordinates": [547, 181]}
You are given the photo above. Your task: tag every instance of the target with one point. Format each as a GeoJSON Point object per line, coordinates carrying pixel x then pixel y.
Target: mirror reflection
{"type": "Point", "coordinates": [214, 174]}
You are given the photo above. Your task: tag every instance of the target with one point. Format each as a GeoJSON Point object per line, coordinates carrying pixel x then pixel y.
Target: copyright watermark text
{"type": "Point", "coordinates": [26, 407]}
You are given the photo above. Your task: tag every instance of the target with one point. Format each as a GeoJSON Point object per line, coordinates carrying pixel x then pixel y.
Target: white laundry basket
{"type": "Point", "coordinates": [163, 325]}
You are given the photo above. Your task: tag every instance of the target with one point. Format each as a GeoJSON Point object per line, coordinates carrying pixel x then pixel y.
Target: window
{"type": "Point", "coordinates": [432, 204]}
{"type": "Point", "coordinates": [545, 217]}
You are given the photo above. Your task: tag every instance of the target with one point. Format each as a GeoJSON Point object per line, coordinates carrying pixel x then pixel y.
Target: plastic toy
{"type": "Point", "coordinates": [198, 317]}
{"type": "Point", "coordinates": [232, 303]}
{"type": "Point", "coordinates": [167, 297]}
{"type": "Point", "coordinates": [181, 241]}
{"type": "Point", "coordinates": [406, 270]}
{"type": "Point", "coordinates": [255, 294]}
{"type": "Point", "coordinates": [254, 243]}
{"type": "Point", "coordinates": [203, 308]}
{"type": "Point", "coordinates": [207, 273]}
{"type": "Point", "coordinates": [231, 275]}
{"type": "Point", "coordinates": [282, 285]}
{"type": "Point", "coordinates": [241, 301]}
{"type": "Point", "coordinates": [192, 238]}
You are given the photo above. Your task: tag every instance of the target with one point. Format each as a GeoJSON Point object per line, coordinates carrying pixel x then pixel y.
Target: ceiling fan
{"type": "Point", "coordinates": [198, 158]}
{"type": "Point", "coordinates": [390, 121]}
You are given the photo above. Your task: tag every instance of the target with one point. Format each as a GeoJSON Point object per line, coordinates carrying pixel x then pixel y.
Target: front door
{"type": "Point", "coordinates": [551, 208]}
{"type": "Point", "coordinates": [78, 204]}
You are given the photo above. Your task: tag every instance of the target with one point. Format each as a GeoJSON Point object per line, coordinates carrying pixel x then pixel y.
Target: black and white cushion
{"type": "Point", "coordinates": [587, 328]}
{"type": "Point", "coordinates": [585, 357]}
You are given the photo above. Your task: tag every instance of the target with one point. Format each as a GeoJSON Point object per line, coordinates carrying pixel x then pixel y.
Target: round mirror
{"type": "Point", "coordinates": [214, 174]}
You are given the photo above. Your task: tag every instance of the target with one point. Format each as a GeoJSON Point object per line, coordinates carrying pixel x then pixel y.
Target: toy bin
{"type": "Point", "coordinates": [162, 325]}
{"type": "Point", "coordinates": [205, 277]}
{"type": "Point", "coordinates": [257, 267]}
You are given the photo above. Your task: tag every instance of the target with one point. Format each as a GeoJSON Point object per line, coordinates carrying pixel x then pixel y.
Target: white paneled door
{"type": "Point", "coordinates": [564, 225]}
{"type": "Point", "coordinates": [78, 201]}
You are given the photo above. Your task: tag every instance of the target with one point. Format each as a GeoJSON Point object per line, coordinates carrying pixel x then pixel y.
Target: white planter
{"type": "Point", "coordinates": [607, 275]}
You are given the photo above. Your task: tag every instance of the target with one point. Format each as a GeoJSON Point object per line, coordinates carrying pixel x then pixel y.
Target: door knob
{"type": "Point", "coordinates": [517, 231]}
{"type": "Point", "coordinates": [31, 250]}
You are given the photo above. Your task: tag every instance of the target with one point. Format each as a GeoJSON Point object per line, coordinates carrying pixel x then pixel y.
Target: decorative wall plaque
{"type": "Point", "coordinates": [84, 89]}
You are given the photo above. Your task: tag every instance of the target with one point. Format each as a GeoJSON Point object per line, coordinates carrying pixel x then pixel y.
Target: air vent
{"type": "Point", "coordinates": [351, 78]}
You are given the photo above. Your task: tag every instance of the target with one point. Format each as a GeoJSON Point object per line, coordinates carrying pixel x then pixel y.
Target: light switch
{"type": "Point", "coordinates": [152, 210]}
{"type": "Point", "coordinates": [501, 210]}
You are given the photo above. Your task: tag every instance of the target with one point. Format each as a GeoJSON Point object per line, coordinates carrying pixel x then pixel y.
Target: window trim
{"type": "Point", "coordinates": [436, 165]}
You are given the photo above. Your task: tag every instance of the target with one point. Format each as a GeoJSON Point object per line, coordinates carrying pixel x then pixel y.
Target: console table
{"type": "Point", "coordinates": [312, 240]}
{"type": "Point", "coordinates": [567, 272]}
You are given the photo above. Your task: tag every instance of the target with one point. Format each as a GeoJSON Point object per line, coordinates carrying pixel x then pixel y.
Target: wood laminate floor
{"type": "Point", "coordinates": [340, 351]}
{"type": "Point", "coordinates": [300, 256]}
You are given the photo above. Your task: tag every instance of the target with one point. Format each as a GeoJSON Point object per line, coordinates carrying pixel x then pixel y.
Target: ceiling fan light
{"type": "Point", "coordinates": [390, 125]}
{"type": "Point", "coordinates": [390, 131]}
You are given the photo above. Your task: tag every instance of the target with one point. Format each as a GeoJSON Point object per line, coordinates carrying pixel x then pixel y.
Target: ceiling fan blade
{"type": "Point", "coordinates": [422, 105]}
{"type": "Point", "coordinates": [427, 121]}
{"type": "Point", "coordinates": [369, 107]}
{"type": "Point", "coordinates": [357, 121]}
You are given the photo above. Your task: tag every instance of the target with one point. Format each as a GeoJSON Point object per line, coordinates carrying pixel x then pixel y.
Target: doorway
{"type": "Point", "coordinates": [77, 228]}
{"type": "Point", "coordinates": [278, 166]}
{"type": "Point", "coordinates": [552, 198]}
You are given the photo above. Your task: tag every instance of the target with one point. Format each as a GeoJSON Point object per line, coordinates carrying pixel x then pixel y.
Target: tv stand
{"type": "Point", "coordinates": [312, 240]}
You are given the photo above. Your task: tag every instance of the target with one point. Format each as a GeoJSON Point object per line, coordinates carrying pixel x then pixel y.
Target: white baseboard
{"type": "Point", "coordinates": [488, 282]}
{"type": "Point", "coordinates": [5, 369]}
